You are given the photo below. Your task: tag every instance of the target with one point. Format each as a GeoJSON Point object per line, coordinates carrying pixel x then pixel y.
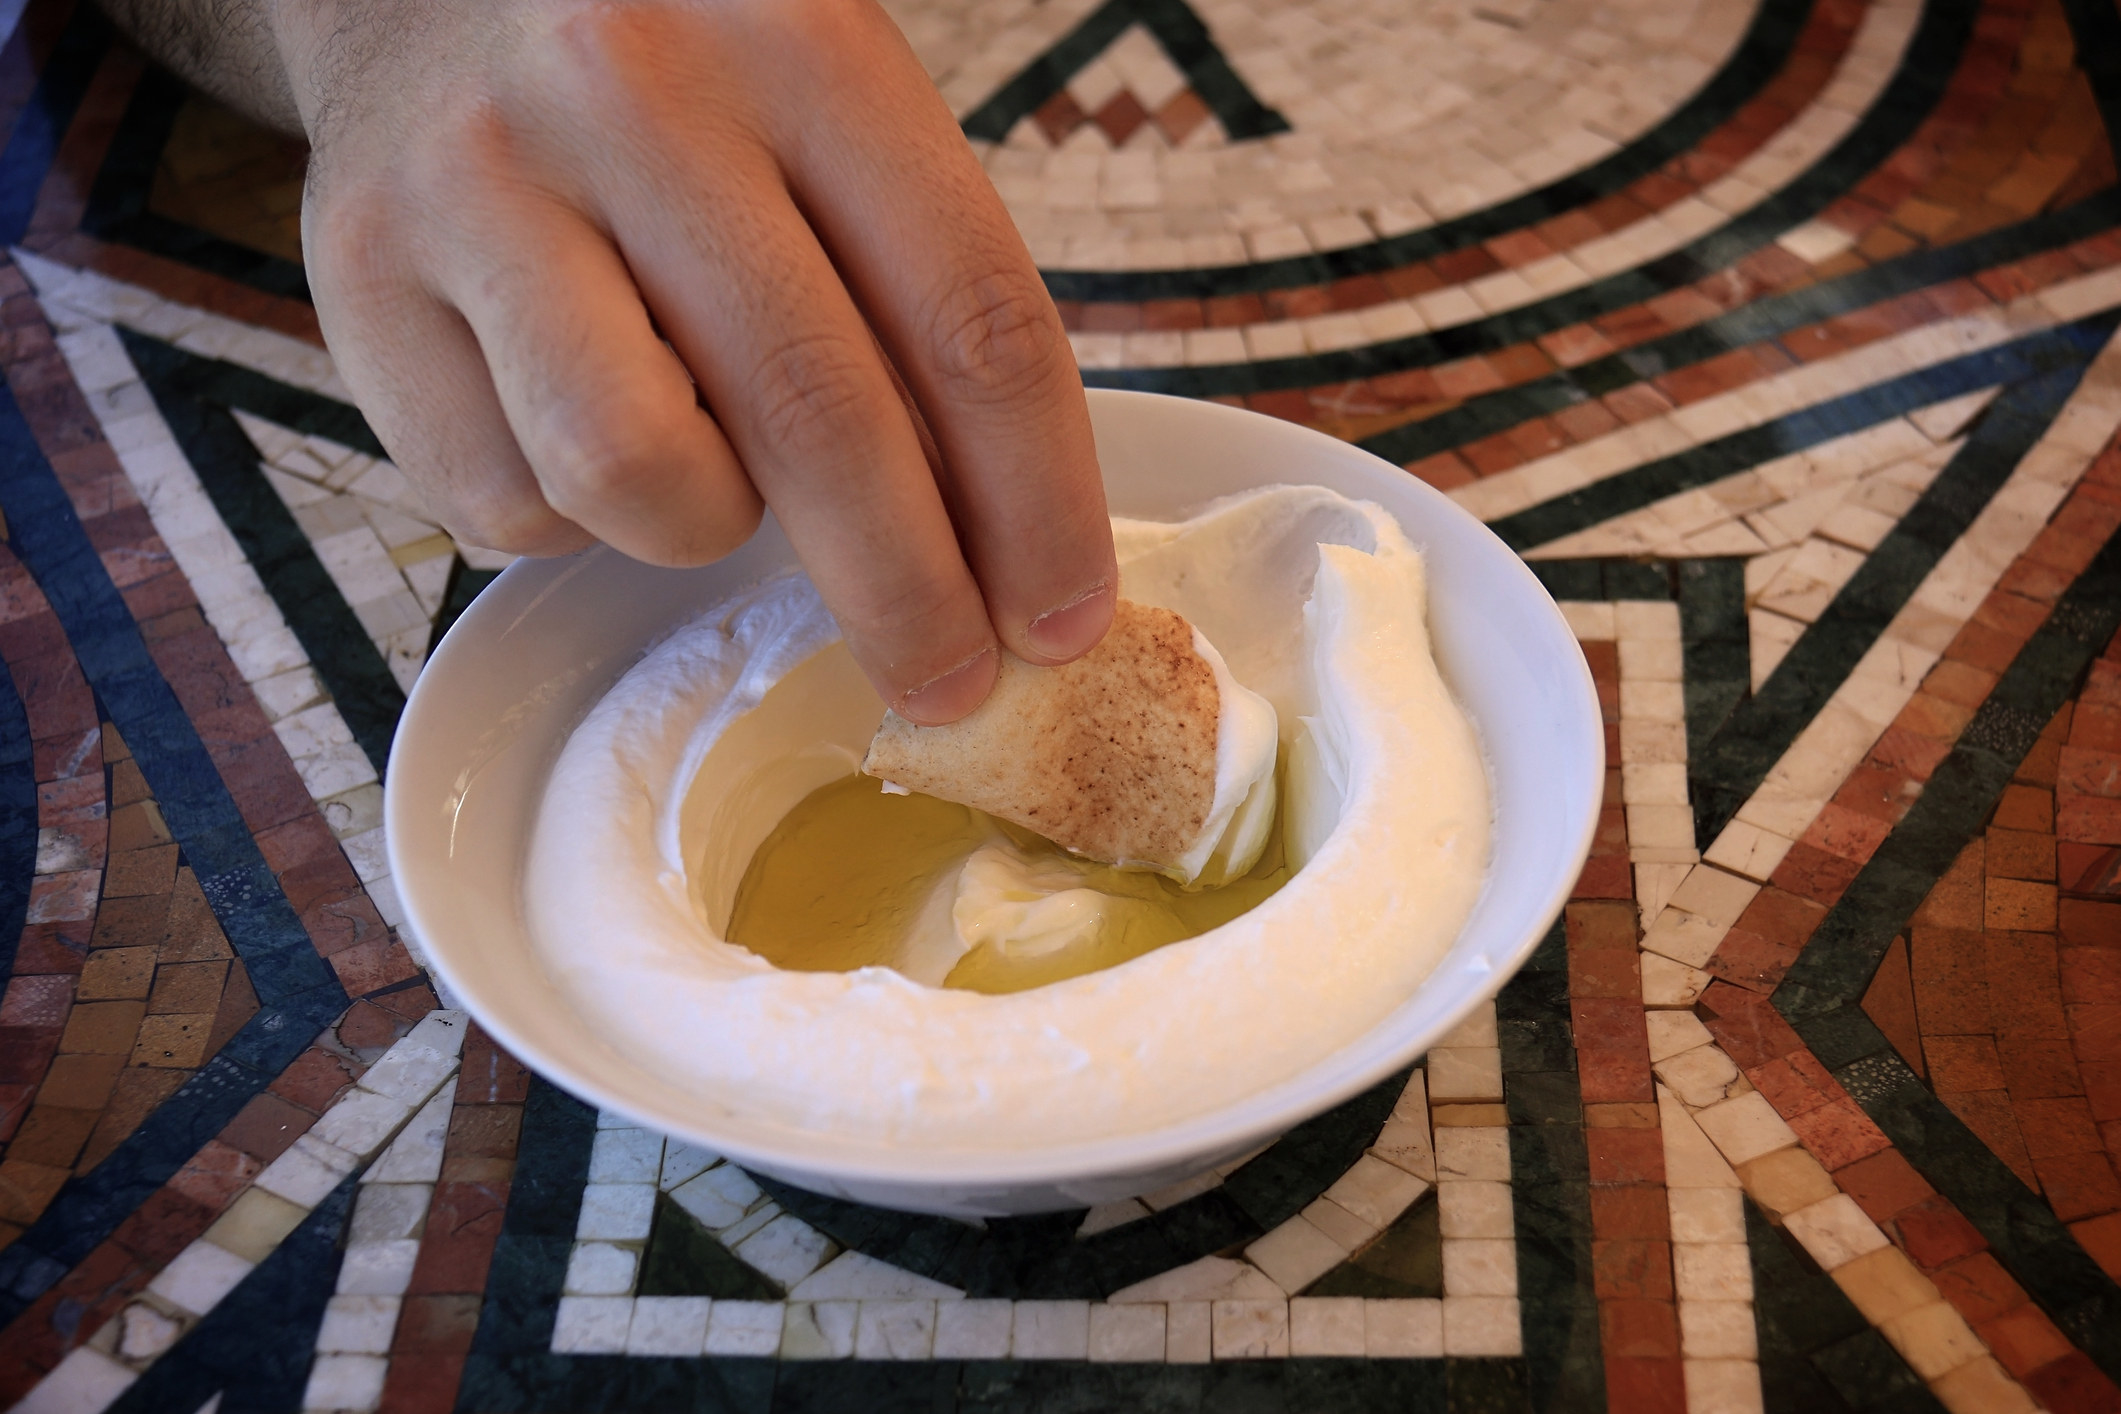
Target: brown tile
{"type": "Point", "coordinates": [140, 872]}
{"type": "Point", "coordinates": [1989, 1115]}
{"type": "Point", "coordinates": [26, 1189]}
{"type": "Point", "coordinates": [131, 922]}
{"type": "Point", "coordinates": [2024, 1339]}
{"type": "Point", "coordinates": [190, 931]}
{"type": "Point", "coordinates": [52, 1136]}
{"type": "Point", "coordinates": [1935, 1234]}
{"type": "Point", "coordinates": [173, 1042]}
{"type": "Point", "coordinates": [1960, 1064]}
{"type": "Point", "coordinates": [187, 987]}
{"type": "Point", "coordinates": [2077, 1185]}
{"type": "Point", "coordinates": [137, 1094]}
{"type": "Point", "coordinates": [117, 973]}
{"type": "Point", "coordinates": [1838, 1134]}
{"type": "Point", "coordinates": [103, 1028]}
{"type": "Point", "coordinates": [1889, 1001]}
{"type": "Point", "coordinates": [81, 1082]}
{"type": "Point", "coordinates": [2021, 854]}
{"type": "Point", "coordinates": [216, 1174]}
{"type": "Point", "coordinates": [1625, 1155]}
{"type": "Point", "coordinates": [2025, 808]}
{"type": "Point", "coordinates": [2018, 905]}
{"type": "Point", "coordinates": [316, 1078]}
{"type": "Point", "coordinates": [489, 1075]}
{"type": "Point", "coordinates": [266, 1125]}
{"type": "Point", "coordinates": [137, 826]}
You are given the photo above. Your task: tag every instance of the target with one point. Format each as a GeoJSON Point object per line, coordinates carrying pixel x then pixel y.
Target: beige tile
{"type": "Point", "coordinates": [1883, 1284]}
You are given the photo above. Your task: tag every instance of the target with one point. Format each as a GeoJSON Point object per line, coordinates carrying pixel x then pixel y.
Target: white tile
{"type": "Point", "coordinates": [1188, 1332]}
{"type": "Point", "coordinates": [408, 1073]}
{"type": "Point", "coordinates": [1745, 1127]}
{"type": "Point", "coordinates": [600, 1269]}
{"type": "Point", "coordinates": [1479, 1266]}
{"type": "Point", "coordinates": [378, 1268]}
{"type": "Point", "coordinates": [362, 1121]}
{"type": "Point", "coordinates": [718, 1197]}
{"type": "Point", "coordinates": [358, 1325]}
{"type": "Point", "coordinates": [786, 1249]}
{"type": "Point", "coordinates": [1707, 1214]}
{"type": "Point", "coordinates": [972, 1330]}
{"type": "Point", "coordinates": [855, 1276]}
{"type": "Point", "coordinates": [1472, 1151]}
{"type": "Point", "coordinates": [415, 1156]}
{"type": "Point", "coordinates": [1475, 1208]}
{"type": "Point", "coordinates": [743, 1328]}
{"type": "Point", "coordinates": [894, 1330]}
{"type": "Point", "coordinates": [345, 1382]}
{"type": "Point", "coordinates": [198, 1277]}
{"type": "Point", "coordinates": [1834, 1231]}
{"type": "Point", "coordinates": [309, 1169]}
{"type": "Point", "coordinates": [1404, 1329]}
{"type": "Point", "coordinates": [1481, 1325]}
{"type": "Point", "coordinates": [668, 1325]}
{"type": "Point", "coordinates": [1326, 1325]}
{"type": "Point", "coordinates": [85, 1382]}
{"type": "Point", "coordinates": [1718, 1330]}
{"type": "Point", "coordinates": [1712, 1271]}
{"type": "Point", "coordinates": [1126, 1333]}
{"type": "Point", "coordinates": [818, 1330]}
{"type": "Point", "coordinates": [1375, 1191]}
{"type": "Point", "coordinates": [1296, 1253]}
{"type": "Point", "coordinates": [1251, 1330]}
{"type": "Point", "coordinates": [616, 1212]}
{"type": "Point", "coordinates": [683, 1162]}
{"type": "Point", "coordinates": [591, 1325]}
{"type": "Point", "coordinates": [388, 1212]}
{"type": "Point", "coordinates": [1051, 1330]}
{"type": "Point", "coordinates": [1206, 1279]}
{"type": "Point", "coordinates": [1724, 1387]}
{"type": "Point", "coordinates": [625, 1156]}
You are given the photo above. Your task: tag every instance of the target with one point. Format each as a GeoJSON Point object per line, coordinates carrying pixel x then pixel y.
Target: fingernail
{"type": "Point", "coordinates": [950, 696]}
{"type": "Point", "coordinates": [1074, 628]}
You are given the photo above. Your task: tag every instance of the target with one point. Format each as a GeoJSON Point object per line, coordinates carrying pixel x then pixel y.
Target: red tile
{"type": "Point", "coordinates": [1631, 1210]}
{"type": "Point", "coordinates": [2078, 1186]}
{"type": "Point", "coordinates": [1625, 1155]}
{"type": "Point", "coordinates": [1935, 1234]}
{"type": "Point", "coordinates": [1637, 1328]}
{"type": "Point", "coordinates": [1838, 1134]}
{"type": "Point", "coordinates": [463, 1221]}
{"type": "Point", "coordinates": [2074, 1385]}
{"type": "Point", "coordinates": [2024, 1339]}
{"type": "Point", "coordinates": [1631, 1268]}
{"type": "Point", "coordinates": [1883, 1184]}
{"type": "Point", "coordinates": [1645, 1386]}
{"type": "Point", "coordinates": [1978, 1287]}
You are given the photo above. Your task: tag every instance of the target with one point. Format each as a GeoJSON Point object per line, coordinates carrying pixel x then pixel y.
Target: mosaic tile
{"type": "Point", "coordinates": [1769, 333]}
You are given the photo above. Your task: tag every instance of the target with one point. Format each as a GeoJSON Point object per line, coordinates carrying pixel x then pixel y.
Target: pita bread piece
{"type": "Point", "coordinates": [1112, 756]}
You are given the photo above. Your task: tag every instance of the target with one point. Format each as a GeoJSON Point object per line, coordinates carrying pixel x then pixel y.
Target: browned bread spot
{"type": "Point", "coordinates": [1111, 756]}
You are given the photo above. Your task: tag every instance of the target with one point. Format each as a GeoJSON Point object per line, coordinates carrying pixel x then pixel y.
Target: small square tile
{"type": "Point", "coordinates": [1251, 1330]}
{"type": "Point", "coordinates": [894, 1330]}
{"type": "Point", "coordinates": [1127, 1333]}
{"type": "Point", "coordinates": [743, 1328]}
{"type": "Point", "coordinates": [198, 1277]}
{"type": "Point", "coordinates": [1326, 1325]}
{"type": "Point", "coordinates": [668, 1325]}
{"type": "Point", "coordinates": [1051, 1330]}
{"type": "Point", "coordinates": [591, 1325]}
{"type": "Point", "coordinates": [972, 1330]}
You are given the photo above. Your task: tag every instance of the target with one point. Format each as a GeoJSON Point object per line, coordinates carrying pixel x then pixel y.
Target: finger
{"type": "Point", "coordinates": [916, 229]}
{"type": "Point", "coordinates": [421, 382]}
{"type": "Point", "coordinates": [603, 410]}
{"type": "Point", "coordinates": [736, 279]}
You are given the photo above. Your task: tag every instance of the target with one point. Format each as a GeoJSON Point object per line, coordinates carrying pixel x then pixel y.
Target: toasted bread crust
{"type": "Point", "coordinates": [1111, 756]}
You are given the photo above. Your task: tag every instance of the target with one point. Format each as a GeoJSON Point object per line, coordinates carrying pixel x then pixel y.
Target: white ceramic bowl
{"type": "Point", "coordinates": [544, 642]}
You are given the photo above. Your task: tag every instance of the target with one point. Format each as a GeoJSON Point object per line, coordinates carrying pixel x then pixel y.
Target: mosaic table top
{"type": "Point", "coordinates": [1777, 335]}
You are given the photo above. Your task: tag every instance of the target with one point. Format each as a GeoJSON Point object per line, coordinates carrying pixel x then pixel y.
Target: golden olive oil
{"type": "Point", "coordinates": [845, 878]}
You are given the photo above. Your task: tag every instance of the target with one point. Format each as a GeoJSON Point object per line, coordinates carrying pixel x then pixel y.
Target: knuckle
{"type": "Point", "coordinates": [808, 386]}
{"type": "Point", "coordinates": [996, 336]}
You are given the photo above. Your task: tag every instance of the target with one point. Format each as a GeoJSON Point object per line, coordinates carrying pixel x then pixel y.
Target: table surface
{"type": "Point", "coordinates": [1776, 335]}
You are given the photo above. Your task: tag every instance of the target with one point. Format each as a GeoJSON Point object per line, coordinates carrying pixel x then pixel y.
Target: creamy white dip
{"type": "Point", "coordinates": [1316, 602]}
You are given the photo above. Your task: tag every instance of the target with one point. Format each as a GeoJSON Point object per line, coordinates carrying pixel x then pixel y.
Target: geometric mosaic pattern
{"type": "Point", "coordinates": [1779, 337]}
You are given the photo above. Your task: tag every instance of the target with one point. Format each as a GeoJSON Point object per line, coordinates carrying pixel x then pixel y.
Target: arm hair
{"type": "Point", "coordinates": [224, 46]}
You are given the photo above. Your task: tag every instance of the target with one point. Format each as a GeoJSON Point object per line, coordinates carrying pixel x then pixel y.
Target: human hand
{"type": "Point", "coordinates": [510, 208]}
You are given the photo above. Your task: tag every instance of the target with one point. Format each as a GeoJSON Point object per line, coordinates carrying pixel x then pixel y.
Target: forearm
{"type": "Point", "coordinates": [226, 47]}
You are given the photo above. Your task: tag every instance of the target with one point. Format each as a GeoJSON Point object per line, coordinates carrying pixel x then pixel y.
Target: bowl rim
{"type": "Point", "coordinates": [1232, 1128]}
